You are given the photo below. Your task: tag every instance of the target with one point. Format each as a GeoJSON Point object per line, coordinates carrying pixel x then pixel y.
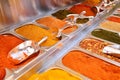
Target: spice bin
{"type": "Point", "coordinates": [82, 63]}
{"type": "Point", "coordinates": [55, 72]}
{"type": "Point", "coordinates": [104, 40]}
{"type": "Point", "coordinates": [53, 51]}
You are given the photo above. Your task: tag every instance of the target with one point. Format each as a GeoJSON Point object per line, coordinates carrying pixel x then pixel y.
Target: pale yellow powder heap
{"type": "Point", "coordinates": [110, 25]}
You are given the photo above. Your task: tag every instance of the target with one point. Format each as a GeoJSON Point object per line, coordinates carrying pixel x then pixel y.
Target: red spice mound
{"type": "Point", "coordinates": [92, 67]}
{"type": "Point", "coordinates": [8, 42]}
{"type": "Point", "coordinates": [2, 73]}
{"type": "Point", "coordinates": [77, 9]}
{"type": "Point", "coordinates": [114, 19]}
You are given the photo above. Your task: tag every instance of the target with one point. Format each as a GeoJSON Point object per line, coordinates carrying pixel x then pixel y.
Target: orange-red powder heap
{"type": "Point", "coordinates": [51, 22]}
{"type": "Point", "coordinates": [2, 73]}
{"type": "Point", "coordinates": [114, 19]}
{"type": "Point", "coordinates": [8, 42]}
{"type": "Point", "coordinates": [70, 29]}
{"type": "Point", "coordinates": [77, 9]}
{"type": "Point", "coordinates": [92, 2]}
{"type": "Point", "coordinates": [92, 67]}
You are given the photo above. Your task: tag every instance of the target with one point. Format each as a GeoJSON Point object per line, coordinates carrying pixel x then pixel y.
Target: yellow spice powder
{"type": "Point", "coordinates": [36, 33]}
{"type": "Point", "coordinates": [53, 74]}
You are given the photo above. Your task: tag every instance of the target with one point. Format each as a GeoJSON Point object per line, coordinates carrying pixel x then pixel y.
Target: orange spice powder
{"type": "Point", "coordinates": [77, 9]}
{"type": "Point", "coordinates": [70, 29]}
{"type": "Point", "coordinates": [51, 22]}
{"type": "Point", "coordinates": [92, 2]}
{"type": "Point", "coordinates": [114, 19]}
{"type": "Point", "coordinates": [2, 73]}
{"type": "Point", "coordinates": [8, 42]}
{"type": "Point", "coordinates": [91, 67]}
{"type": "Point", "coordinates": [54, 24]}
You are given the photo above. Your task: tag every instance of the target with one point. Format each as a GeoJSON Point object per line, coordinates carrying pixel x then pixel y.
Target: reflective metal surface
{"type": "Point", "coordinates": [16, 11]}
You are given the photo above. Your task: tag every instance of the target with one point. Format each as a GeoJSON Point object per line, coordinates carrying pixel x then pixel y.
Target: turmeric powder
{"type": "Point", "coordinates": [53, 74]}
{"type": "Point", "coordinates": [36, 33]}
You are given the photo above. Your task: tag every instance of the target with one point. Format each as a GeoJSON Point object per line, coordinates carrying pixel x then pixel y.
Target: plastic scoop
{"type": "Point", "coordinates": [113, 50]}
{"type": "Point", "coordinates": [24, 50]}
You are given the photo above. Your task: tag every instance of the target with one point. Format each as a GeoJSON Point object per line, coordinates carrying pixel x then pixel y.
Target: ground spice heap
{"type": "Point", "coordinates": [2, 73]}
{"type": "Point", "coordinates": [111, 25]}
{"type": "Point", "coordinates": [54, 24]}
{"type": "Point", "coordinates": [77, 9]}
{"type": "Point", "coordinates": [70, 29]}
{"type": "Point", "coordinates": [36, 33]}
{"type": "Point", "coordinates": [106, 35]}
{"type": "Point", "coordinates": [91, 67]}
{"type": "Point", "coordinates": [96, 46]}
{"type": "Point", "coordinates": [51, 22]}
{"type": "Point", "coordinates": [7, 42]}
{"type": "Point", "coordinates": [53, 74]}
{"type": "Point", "coordinates": [92, 2]}
{"type": "Point", "coordinates": [113, 18]}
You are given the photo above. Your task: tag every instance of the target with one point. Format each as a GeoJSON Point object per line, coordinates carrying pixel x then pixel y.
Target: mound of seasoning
{"type": "Point", "coordinates": [91, 67]}
{"type": "Point", "coordinates": [53, 74]}
{"type": "Point", "coordinates": [7, 42]}
{"type": "Point", "coordinates": [61, 14]}
{"type": "Point", "coordinates": [70, 29]}
{"type": "Point", "coordinates": [106, 35]}
{"type": "Point", "coordinates": [92, 2]}
{"type": "Point", "coordinates": [114, 19]}
{"type": "Point", "coordinates": [2, 73]}
{"type": "Point", "coordinates": [96, 46]}
{"type": "Point", "coordinates": [93, 45]}
{"type": "Point", "coordinates": [36, 33]}
{"type": "Point", "coordinates": [77, 9]}
{"type": "Point", "coordinates": [55, 24]}
{"type": "Point", "coordinates": [110, 25]}
{"type": "Point", "coordinates": [82, 20]}
{"type": "Point", "coordinates": [51, 22]}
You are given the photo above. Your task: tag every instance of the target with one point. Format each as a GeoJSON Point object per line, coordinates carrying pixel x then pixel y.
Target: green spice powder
{"type": "Point", "coordinates": [106, 35]}
{"type": "Point", "coordinates": [61, 14]}
{"type": "Point", "coordinates": [82, 20]}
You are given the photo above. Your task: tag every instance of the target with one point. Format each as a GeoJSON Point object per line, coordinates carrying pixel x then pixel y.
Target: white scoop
{"type": "Point", "coordinates": [112, 50]}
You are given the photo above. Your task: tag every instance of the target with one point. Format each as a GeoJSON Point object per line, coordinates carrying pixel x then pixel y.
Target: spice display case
{"type": "Point", "coordinates": [82, 62]}
{"type": "Point", "coordinates": [53, 49]}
